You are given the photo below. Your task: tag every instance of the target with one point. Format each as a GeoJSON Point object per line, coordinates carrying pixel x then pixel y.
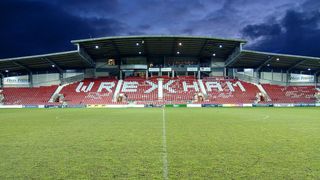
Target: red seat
{"type": "Point", "coordinates": [34, 96]}
{"type": "Point", "coordinates": [290, 94]}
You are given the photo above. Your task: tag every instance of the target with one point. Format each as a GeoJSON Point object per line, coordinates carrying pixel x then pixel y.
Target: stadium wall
{"type": "Point", "coordinates": [70, 74]}
{"type": "Point", "coordinates": [279, 78]}
{"type": "Point", "coordinates": [37, 80]}
{"type": "Point", "coordinates": [94, 106]}
{"type": "Point", "coordinates": [46, 79]}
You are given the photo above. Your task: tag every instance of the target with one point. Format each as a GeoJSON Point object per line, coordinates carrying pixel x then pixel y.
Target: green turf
{"type": "Point", "coordinates": [204, 143]}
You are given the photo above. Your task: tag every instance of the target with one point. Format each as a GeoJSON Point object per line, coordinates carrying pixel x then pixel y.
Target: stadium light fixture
{"type": "Point", "coordinates": [220, 46]}
{"type": "Point", "coordinates": [268, 65]}
{"type": "Point", "coordinates": [97, 47]}
{"type": "Point", "coordinates": [180, 44]}
{"type": "Point", "coordinates": [142, 42]}
{"type": "Point", "coordinates": [309, 69]}
{"type": "Point", "coordinates": [140, 52]}
{"type": "Point", "coordinates": [214, 54]}
{"type": "Point", "coordinates": [6, 70]}
{"type": "Point", "coordinates": [278, 59]}
{"type": "Point", "coordinates": [53, 65]}
{"type": "Point", "coordinates": [137, 44]}
{"type": "Point", "coordinates": [178, 52]}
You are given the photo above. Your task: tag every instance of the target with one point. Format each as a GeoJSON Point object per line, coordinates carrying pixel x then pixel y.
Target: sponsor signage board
{"type": "Point", "coordinates": [205, 69]}
{"type": "Point", "coordinates": [192, 69]}
{"type": "Point", "coordinates": [154, 69]}
{"type": "Point", "coordinates": [166, 69]}
{"type": "Point", "coordinates": [133, 66]}
{"type": "Point", "coordinates": [301, 78]}
{"type": "Point", "coordinates": [21, 80]}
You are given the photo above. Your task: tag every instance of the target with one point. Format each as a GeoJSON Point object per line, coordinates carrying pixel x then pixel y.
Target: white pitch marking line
{"type": "Point", "coordinates": [266, 117]}
{"type": "Point", "coordinates": [164, 146]}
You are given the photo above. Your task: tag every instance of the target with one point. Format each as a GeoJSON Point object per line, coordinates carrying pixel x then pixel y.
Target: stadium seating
{"type": "Point", "coordinates": [178, 90]}
{"type": "Point", "coordinates": [291, 94]}
{"type": "Point", "coordinates": [87, 91]}
{"type": "Point", "coordinates": [227, 96]}
{"type": "Point", "coordinates": [143, 86]}
{"type": "Point", "coordinates": [28, 96]}
{"type": "Point", "coordinates": [175, 93]}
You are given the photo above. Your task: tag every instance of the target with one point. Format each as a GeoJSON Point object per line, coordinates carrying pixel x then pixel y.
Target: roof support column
{"type": "Point", "coordinates": [234, 73]}
{"type": "Point", "coordinates": [60, 77]}
{"type": "Point", "coordinates": [225, 72]}
{"type": "Point", "coordinates": [288, 78]}
{"type": "Point", "coordinates": [1, 79]}
{"type": "Point", "coordinates": [257, 73]}
{"type": "Point", "coordinates": [30, 79]}
{"type": "Point", "coordinates": [120, 75]}
{"type": "Point", "coordinates": [316, 77]}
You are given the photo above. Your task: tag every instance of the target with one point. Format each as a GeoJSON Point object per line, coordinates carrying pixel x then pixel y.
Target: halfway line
{"type": "Point", "coordinates": [164, 146]}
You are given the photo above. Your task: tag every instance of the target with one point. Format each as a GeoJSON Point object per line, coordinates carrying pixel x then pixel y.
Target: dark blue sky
{"type": "Point", "coordinates": [40, 26]}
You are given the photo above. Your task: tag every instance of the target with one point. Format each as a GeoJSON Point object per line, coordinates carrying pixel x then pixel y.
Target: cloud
{"type": "Point", "coordinates": [41, 26]}
{"type": "Point", "coordinates": [29, 27]}
{"type": "Point", "coordinates": [258, 30]}
{"type": "Point", "coordinates": [227, 18]}
{"type": "Point", "coordinates": [298, 32]}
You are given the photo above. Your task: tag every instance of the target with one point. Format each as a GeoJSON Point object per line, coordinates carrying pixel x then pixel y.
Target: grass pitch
{"type": "Point", "coordinates": [204, 143]}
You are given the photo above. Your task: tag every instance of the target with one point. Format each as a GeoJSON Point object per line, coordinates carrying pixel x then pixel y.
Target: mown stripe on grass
{"type": "Point", "coordinates": [164, 146]}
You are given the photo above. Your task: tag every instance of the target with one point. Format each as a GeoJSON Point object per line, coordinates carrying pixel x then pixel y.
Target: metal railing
{"type": "Point", "coordinates": [273, 82]}
{"type": "Point", "coordinates": [72, 79]}
{"type": "Point", "coordinates": [46, 83]}
{"type": "Point", "coordinates": [247, 78]}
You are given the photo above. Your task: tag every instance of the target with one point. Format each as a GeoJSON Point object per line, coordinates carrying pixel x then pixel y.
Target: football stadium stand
{"type": "Point", "coordinates": [178, 90]}
{"type": "Point", "coordinates": [159, 70]}
{"type": "Point", "coordinates": [90, 91]}
{"type": "Point", "coordinates": [31, 96]}
{"type": "Point", "coordinates": [291, 94]}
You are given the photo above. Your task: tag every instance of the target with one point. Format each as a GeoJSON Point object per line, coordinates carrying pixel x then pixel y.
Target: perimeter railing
{"type": "Point", "coordinates": [248, 78]}
{"type": "Point", "coordinates": [72, 79]}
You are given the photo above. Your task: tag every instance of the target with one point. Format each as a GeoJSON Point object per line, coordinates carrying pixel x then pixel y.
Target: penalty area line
{"type": "Point", "coordinates": [164, 146]}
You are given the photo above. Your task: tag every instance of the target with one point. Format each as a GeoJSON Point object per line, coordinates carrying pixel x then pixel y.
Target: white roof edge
{"type": "Point", "coordinates": [155, 36]}
{"type": "Point", "coordinates": [279, 54]}
{"type": "Point", "coordinates": [39, 56]}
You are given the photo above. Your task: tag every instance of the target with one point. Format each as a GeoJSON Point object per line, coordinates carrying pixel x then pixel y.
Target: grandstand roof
{"type": "Point", "coordinates": [90, 50]}
{"type": "Point", "coordinates": [260, 60]}
{"type": "Point", "coordinates": [125, 46]}
{"type": "Point", "coordinates": [60, 60]}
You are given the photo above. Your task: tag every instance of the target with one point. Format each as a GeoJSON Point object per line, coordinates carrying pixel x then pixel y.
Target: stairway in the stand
{"type": "Point", "coordinates": [56, 92]}
{"type": "Point", "coordinates": [263, 91]}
